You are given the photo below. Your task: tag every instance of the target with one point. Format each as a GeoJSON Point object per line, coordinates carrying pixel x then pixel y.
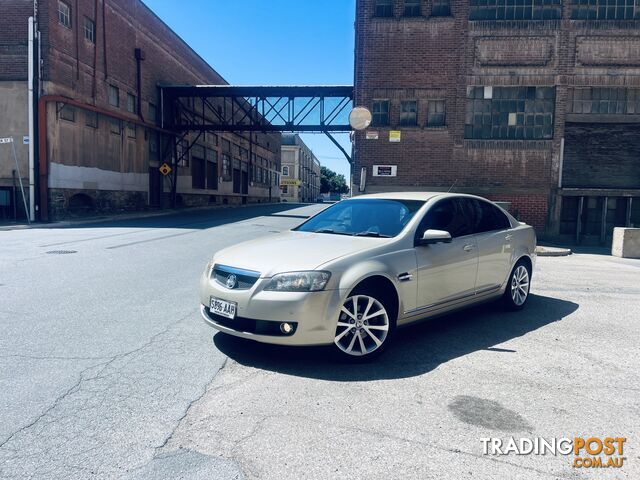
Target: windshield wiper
{"type": "Point", "coordinates": [371, 234]}
{"type": "Point", "coordinates": [330, 230]}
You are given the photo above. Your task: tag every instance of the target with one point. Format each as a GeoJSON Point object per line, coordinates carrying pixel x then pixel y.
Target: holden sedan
{"type": "Point", "coordinates": [353, 273]}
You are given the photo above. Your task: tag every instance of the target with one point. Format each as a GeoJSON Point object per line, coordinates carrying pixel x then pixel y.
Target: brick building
{"type": "Point", "coordinates": [536, 103]}
{"type": "Point", "coordinates": [300, 180]}
{"type": "Point", "coordinates": [98, 116]}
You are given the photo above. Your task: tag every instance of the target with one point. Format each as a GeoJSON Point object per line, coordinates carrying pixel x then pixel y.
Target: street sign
{"type": "Point", "coordinates": [25, 140]}
{"type": "Point", "coordinates": [6, 140]}
{"type": "Point", "coordinates": [165, 169]}
{"type": "Point", "coordinates": [385, 170]}
{"type": "Point", "coordinates": [394, 136]}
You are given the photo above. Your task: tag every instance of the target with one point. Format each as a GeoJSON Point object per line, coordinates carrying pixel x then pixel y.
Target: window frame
{"type": "Point", "coordinates": [285, 170]}
{"type": "Point", "coordinates": [132, 103]}
{"type": "Point", "coordinates": [383, 8]}
{"type": "Point", "coordinates": [435, 102]}
{"type": "Point", "coordinates": [405, 115]}
{"type": "Point", "coordinates": [116, 91]}
{"type": "Point", "coordinates": [374, 114]}
{"type": "Point", "coordinates": [413, 10]}
{"type": "Point", "coordinates": [65, 18]}
{"type": "Point", "coordinates": [89, 33]}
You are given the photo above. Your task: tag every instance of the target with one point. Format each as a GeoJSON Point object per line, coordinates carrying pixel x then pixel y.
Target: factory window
{"type": "Point", "coordinates": [212, 169]}
{"type": "Point", "coordinates": [601, 100]}
{"type": "Point", "coordinates": [380, 113]}
{"type": "Point", "coordinates": [131, 103]}
{"type": "Point", "coordinates": [285, 189]}
{"type": "Point", "coordinates": [64, 14]}
{"type": "Point", "coordinates": [114, 126]}
{"type": "Point", "coordinates": [509, 113]}
{"type": "Point", "coordinates": [131, 130]}
{"type": "Point", "coordinates": [605, 9]}
{"type": "Point", "coordinates": [114, 96]}
{"type": "Point", "coordinates": [183, 153]}
{"type": "Point", "coordinates": [384, 8]}
{"type": "Point", "coordinates": [436, 113]}
{"type": "Point", "coordinates": [515, 9]}
{"type": "Point", "coordinates": [91, 119]}
{"type": "Point", "coordinates": [211, 138]}
{"type": "Point", "coordinates": [441, 8]}
{"type": "Point", "coordinates": [226, 167]}
{"type": "Point", "coordinates": [67, 112]}
{"type": "Point", "coordinates": [285, 171]}
{"type": "Point", "coordinates": [226, 145]}
{"type": "Point", "coordinates": [153, 113]}
{"type": "Point", "coordinates": [412, 8]}
{"type": "Point", "coordinates": [89, 28]}
{"type": "Point", "coordinates": [153, 146]}
{"type": "Point", "coordinates": [409, 113]}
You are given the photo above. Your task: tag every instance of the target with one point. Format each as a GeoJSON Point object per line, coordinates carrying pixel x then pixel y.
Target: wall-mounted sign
{"type": "Point", "coordinates": [25, 140]}
{"type": "Point", "coordinates": [165, 169]}
{"type": "Point", "coordinates": [6, 140]}
{"type": "Point", "coordinates": [285, 182]}
{"type": "Point", "coordinates": [394, 136]}
{"type": "Point", "coordinates": [385, 170]}
{"type": "Point", "coordinates": [372, 135]}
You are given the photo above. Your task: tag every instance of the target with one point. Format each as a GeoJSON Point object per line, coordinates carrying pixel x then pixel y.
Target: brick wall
{"type": "Point", "coordinates": [438, 58]}
{"type": "Point", "coordinates": [13, 39]}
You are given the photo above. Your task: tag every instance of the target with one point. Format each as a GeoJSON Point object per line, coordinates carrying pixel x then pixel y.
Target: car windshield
{"type": "Point", "coordinates": [368, 218]}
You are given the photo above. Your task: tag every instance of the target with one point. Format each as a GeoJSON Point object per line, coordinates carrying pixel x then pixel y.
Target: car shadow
{"type": "Point", "coordinates": [416, 349]}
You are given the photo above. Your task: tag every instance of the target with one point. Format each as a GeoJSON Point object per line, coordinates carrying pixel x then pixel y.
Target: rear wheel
{"type": "Point", "coordinates": [365, 326]}
{"type": "Point", "coordinates": [519, 283]}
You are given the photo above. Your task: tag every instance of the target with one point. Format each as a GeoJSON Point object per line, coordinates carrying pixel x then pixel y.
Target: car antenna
{"type": "Point", "coordinates": [452, 185]}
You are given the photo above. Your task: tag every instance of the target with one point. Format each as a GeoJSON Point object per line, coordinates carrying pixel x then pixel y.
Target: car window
{"type": "Point", "coordinates": [449, 215]}
{"type": "Point", "coordinates": [490, 218]}
{"type": "Point", "coordinates": [366, 217]}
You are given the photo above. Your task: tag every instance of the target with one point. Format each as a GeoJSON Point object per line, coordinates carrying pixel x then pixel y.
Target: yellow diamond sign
{"type": "Point", "coordinates": [165, 169]}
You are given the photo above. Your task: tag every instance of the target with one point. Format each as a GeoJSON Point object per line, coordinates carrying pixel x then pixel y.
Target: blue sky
{"type": "Point", "coordinates": [273, 42]}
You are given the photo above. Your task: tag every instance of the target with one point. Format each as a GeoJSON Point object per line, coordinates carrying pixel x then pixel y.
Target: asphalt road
{"type": "Point", "coordinates": [107, 371]}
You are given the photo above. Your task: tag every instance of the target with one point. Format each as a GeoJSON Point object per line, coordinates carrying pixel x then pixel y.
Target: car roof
{"type": "Point", "coordinates": [423, 196]}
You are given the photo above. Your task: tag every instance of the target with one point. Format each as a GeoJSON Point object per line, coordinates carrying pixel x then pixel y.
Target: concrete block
{"type": "Point", "coordinates": [626, 242]}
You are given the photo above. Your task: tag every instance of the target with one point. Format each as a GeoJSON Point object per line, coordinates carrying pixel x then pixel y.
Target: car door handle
{"type": "Point", "coordinates": [508, 237]}
{"type": "Point", "coordinates": [468, 248]}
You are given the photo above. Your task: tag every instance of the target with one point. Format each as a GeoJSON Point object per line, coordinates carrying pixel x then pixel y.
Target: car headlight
{"type": "Point", "coordinates": [299, 281]}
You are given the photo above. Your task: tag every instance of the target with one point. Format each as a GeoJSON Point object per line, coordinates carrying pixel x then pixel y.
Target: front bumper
{"type": "Point", "coordinates": [314, 313]}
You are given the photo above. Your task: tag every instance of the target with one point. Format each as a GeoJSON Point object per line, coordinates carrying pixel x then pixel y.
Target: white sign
{"type": "Point", "coordinates": [6, 140]}
{"type": "Point", "coordinates": [372, 135]}
{"type": "Point", "coordinates": [25, 140]}
{"type": "Point", "coordinates": [385, 170]}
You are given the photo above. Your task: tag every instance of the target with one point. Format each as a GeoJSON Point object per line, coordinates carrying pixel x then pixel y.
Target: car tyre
{"type": "Point", "coordinates": [366, 324]}
{"type": "Point", "coordinates": [518, 287]}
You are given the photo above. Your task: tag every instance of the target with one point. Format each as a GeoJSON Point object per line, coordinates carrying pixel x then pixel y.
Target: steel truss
{"type": "Point", "coordinates": [257, 109]}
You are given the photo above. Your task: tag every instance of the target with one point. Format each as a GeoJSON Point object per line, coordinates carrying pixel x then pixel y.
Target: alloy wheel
{"type": "Point", "coordinates": [520, 285]}
{"type": "Point", "coordinates": [363, 325]}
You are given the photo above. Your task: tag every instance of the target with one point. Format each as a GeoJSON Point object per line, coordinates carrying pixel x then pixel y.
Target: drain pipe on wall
{"type": "Point", "coordinates": [32, 140]}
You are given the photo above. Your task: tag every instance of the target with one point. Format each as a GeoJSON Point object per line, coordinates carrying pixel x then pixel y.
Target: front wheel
{"type": "Point", "coordinates": [364, 327]}
{"type": "Point", "coordinates": [518, 285]}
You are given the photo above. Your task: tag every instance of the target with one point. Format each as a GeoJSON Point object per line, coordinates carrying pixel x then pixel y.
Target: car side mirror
{"type": "Point", "coordinates": [434, 236]}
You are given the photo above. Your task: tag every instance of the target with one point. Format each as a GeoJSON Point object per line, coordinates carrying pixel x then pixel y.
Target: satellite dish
{"type": "Point", "coordinates": [360, 118]}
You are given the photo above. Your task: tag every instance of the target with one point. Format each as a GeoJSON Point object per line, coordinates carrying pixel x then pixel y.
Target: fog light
{"type": "Point", "coordinates": [286, 328]}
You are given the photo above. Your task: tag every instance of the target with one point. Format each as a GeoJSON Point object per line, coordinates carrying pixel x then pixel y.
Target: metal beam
{"type": "Point", "coordinates": [212, 108]}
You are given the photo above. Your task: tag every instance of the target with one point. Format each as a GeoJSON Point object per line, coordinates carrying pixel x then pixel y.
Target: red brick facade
{"type": "Point", "coordinates": [429, 58]}
{"type": "Point", "coordinates": [84, 68]}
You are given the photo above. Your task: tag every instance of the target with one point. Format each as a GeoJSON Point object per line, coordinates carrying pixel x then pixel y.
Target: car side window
{"type": "Point", "coordinates": [490, 218]}
{"type": "Point", "coordinates": [448, 215]}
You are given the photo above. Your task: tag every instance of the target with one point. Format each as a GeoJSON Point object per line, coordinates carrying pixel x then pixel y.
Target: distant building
{"type": "Point", "coordinates": [100, 142]}
{"type": "Point", "coordinates": [300, 176]}
{"type": "Point", "coordinates": [528, 102]}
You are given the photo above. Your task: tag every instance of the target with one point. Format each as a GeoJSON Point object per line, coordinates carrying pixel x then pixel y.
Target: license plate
{"type": "Point", "coordinates": [223, 308]}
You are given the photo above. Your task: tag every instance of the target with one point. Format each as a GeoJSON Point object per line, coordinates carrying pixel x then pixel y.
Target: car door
{"type": "Point", "coordinates": [446, 271]}
{"type": "Point", "coordinates": [494, 242]}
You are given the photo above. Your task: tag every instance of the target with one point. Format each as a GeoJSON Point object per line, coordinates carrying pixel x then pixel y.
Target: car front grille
{"type": "Point", "coordinates": [245, 279]}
